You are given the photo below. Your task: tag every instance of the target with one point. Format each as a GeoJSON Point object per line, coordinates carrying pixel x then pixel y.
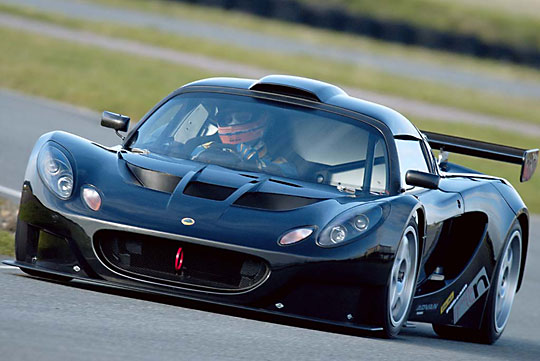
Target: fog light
{"type": "Point", "coordinates": [91, 197]}
{"type": "Point", "coordinates": [294, 236]}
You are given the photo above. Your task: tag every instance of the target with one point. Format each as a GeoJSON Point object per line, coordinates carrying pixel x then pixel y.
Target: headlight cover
{"type": "Point", "coordinates": [296, 235]}
{"type": "Point", "coordinates": [55, 171]}
{"type": "Point", "coordinates": [350, 225]}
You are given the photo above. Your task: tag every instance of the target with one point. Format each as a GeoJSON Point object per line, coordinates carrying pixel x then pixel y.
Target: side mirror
{"type": "Point", "coordinates": [118, 122]}
{"type": "Point", "coordinates": [422, 179]}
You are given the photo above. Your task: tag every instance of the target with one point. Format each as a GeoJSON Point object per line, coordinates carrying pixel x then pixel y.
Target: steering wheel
{"type": "Point", "coordinates": [227, 155]}
{"type": "Point", "coordinates": [219, 153]}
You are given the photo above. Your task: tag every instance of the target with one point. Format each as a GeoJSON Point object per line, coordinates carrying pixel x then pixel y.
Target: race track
{"type": "Point", "coordinates": [41, 320]}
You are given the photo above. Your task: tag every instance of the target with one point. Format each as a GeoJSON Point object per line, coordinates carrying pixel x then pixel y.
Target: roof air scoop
{"type": "Point", "coordinates": [298, 87]}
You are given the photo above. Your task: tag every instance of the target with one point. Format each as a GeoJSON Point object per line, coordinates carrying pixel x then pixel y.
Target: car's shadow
{"type": "Point", "coordinates": [414, 334]}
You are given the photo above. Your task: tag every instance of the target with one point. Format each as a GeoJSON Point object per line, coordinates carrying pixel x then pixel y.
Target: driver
{"type": "Point", "coordinates": [241, 132]}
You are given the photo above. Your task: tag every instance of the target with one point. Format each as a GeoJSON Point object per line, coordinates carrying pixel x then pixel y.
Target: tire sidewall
{"type": "Point", "coordinates": [488, 329]}
{"type": "Point", "coordinates": [389, 329]}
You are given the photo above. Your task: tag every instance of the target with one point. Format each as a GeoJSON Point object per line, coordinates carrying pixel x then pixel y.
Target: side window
{"type": "Point", "coordinates": [411, 157]}
{"type": "Point", "coordinates": [163, 116]}
{"type": "Point", "coordinates": [378, 176]}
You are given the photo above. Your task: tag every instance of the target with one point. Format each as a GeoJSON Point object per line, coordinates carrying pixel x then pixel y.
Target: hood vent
{"type": "Point", "coordinates": [273, 202]}
{"type": "Point", "coordinates": [151, 179]}
{"type": "Point", "coordinates": [208, 191]}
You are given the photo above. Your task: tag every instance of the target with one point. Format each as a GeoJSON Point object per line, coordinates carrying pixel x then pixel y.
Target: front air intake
{"type": "Point", "coordinates": [178, 263]}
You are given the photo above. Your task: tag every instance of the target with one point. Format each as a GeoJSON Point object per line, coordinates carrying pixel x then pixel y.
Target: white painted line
{"type": "Point", "coordinates": [10, 192]}
{"type": "Point", "coordinates": [7, 267]}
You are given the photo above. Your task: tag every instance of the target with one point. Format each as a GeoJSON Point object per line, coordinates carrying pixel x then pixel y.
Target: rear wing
{"type": "Point", "coordinates": [527, 158]}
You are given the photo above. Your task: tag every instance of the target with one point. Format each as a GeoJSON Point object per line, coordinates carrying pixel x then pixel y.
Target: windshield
{"type": "Point", "coordinates": [271, 137]}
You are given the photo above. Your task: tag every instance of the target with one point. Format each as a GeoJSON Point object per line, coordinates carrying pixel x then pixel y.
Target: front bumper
{"type": "Point", "coordinates": [338, 290]}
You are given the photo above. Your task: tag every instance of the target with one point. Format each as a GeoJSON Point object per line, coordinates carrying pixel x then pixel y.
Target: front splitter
{"type": "Point", "coordinates": [275, 316]}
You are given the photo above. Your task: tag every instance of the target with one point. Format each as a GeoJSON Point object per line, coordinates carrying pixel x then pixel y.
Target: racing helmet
{"type": "Point", "coordinates": [237, 126]}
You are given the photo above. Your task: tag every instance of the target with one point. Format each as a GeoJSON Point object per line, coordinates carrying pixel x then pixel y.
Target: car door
{"type": "Point", "coordinates": [440, 204]}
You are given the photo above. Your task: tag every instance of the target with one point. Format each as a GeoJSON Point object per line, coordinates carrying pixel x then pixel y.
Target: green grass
{"type": "Point", "coordinates": [489, 20]}
{"type": "Point", "coordinates": [101, 79]}
{"type": "Point", "coordinates": [334, 72]}
{"type": "Point", "coordinates": [7, 239]}
{"type": "Point", "coordinates": [510, 172]}
{"type": "Point", "coordinates": [87, 76]}
{"type": "Point", "coordinates": [308, 34]}
{"type": "Point", "coordinates": [7, 242]}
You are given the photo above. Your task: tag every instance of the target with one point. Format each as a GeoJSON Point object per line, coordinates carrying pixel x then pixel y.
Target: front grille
{"type": "Point", "coordinates": [202, 267]}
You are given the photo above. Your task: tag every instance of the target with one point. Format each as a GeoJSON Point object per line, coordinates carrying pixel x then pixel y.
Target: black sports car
{"type": "Point", "coordinates": [286, 196]}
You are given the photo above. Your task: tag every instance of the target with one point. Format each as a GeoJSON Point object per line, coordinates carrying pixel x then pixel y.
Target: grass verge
{"type": "Point", "coordinates": [329, 38]}
{"type": "Point", "coordinates": [334, 72]}
{"type": "Point", "coordinates": [510, 172]}
{"type": "Point", "coordinates": [482, 18]}
{"type": "Point", "coordinates": [493, 20]}
{"type": "Point", "coordinates": [87, 76]}
{"type": "Point", "coordinates": [7, 241]}
{"type": "Point", "coordinates": [101, 79]}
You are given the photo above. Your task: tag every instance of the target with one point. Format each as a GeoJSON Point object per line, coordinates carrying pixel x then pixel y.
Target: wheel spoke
{"type": "Point", "coordinates": [509, 257]}
{"type": "Point", "coordinates": [403, 248]}
{"type": "Point", "coordinates": [507, 281]}
{"type": "Point", "coordinates": [402, 277]}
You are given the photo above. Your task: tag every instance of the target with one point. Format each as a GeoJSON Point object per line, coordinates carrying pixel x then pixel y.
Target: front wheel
{"type": "Point", "coordinates": [402, 282]}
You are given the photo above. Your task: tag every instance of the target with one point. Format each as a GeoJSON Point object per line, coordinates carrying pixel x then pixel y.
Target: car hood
{"type": "Point", "coordinates": [220, 202]}
{"type": "Point", "coordinates": [225, 205]}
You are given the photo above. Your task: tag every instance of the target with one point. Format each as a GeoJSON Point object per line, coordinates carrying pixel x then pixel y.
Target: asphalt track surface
{"type": "Point", "coordinates": [42, 320]}
{"type": "Point", "coordinates": [23, 119]}
{"type": "Point", "coordinates": [393, 64]}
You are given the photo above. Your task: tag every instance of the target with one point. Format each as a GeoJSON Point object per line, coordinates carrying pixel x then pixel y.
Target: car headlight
{"type": "Point", "coordinates": [350, 225]}
{"type": "Point", "coordinates": [55, 171]}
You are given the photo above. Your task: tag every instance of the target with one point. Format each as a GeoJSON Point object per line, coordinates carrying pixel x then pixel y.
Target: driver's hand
{"type": "Point", "coordinates": [248, 153]}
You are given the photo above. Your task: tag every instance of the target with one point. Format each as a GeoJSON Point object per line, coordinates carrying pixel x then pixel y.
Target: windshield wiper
{"type": "Point", "coordinates": [346, 189]}
{"type": "Point", "coordinates": [140, 151]}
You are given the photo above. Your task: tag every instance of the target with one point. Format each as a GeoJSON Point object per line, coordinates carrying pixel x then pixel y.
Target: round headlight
{"type": "Point", "coordinates": [338, 234]}
{"type": "Point", "coordinates": [55, 171]}
{"type": "Point", "coordinates": [361, 222]}
{"type": "Point", "coordinates": [351, 225]}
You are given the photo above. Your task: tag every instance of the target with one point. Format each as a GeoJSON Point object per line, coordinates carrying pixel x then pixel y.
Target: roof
{"type": "Point", "coordinates": [315, 90]}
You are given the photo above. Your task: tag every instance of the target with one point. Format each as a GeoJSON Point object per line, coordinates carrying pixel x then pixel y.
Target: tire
{"type": "Point", "coordinates": [500, 299]}
{"type": "Point", "coordinates": [402, 282]}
